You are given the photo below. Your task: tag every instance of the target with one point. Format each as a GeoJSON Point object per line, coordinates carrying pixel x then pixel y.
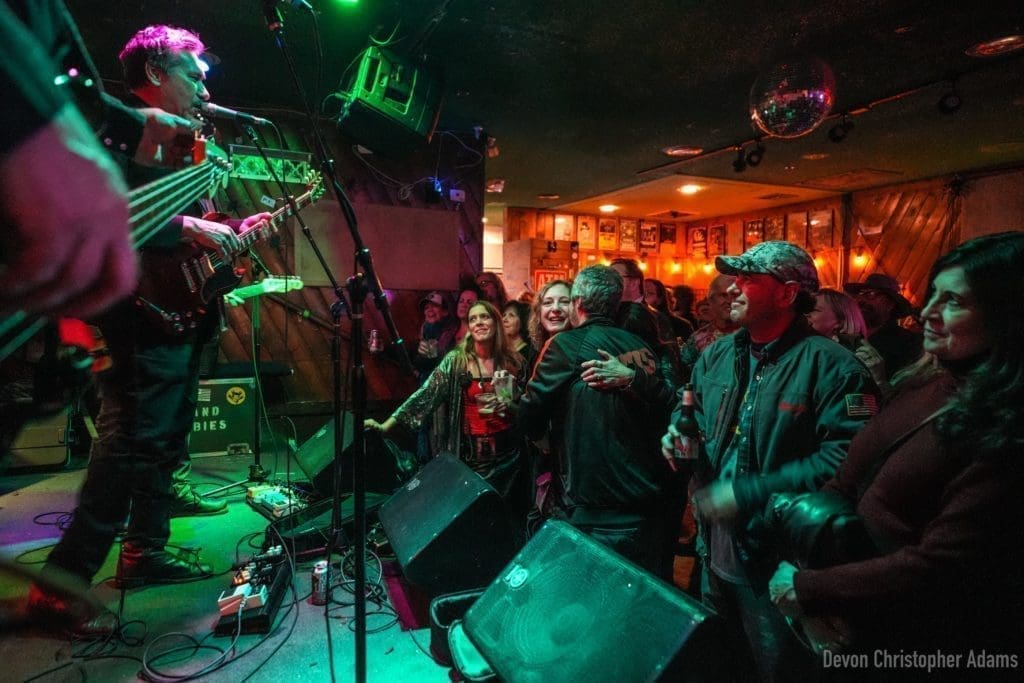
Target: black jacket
{"type": "Point", "coordinates": [607, 441]}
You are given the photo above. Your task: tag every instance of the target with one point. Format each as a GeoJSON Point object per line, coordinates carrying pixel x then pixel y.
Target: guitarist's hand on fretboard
{"type": "Point", "coordinates": [217, 236]}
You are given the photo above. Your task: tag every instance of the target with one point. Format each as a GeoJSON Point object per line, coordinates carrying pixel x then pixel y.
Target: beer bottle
{"type": "Point", "coordinates": [689, 432]}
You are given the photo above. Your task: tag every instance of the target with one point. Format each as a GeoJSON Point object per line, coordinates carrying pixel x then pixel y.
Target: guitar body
{"type": "Point", "coordinates": [180, 284]}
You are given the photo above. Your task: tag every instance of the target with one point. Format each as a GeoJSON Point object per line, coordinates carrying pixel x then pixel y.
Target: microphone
{"type": "Point", "coordinates": [273, 16]}
{"type": "Point", "coordinates": [217, 111]}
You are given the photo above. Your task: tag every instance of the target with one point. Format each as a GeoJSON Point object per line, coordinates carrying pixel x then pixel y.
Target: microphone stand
{"type": "Point", "coordinates": [359, 285]}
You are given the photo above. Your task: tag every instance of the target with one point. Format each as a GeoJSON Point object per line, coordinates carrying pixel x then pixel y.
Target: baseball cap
{"type": "Point", "coordinates": [782, 260]}
{"type": "Point", "coordinates": [434, 297]}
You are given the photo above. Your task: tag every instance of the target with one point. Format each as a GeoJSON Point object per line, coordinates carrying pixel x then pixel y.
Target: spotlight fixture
{"type": "Point", "coordinates": [755, 155]}
{"type": "Point", "coordinates": [739, 164]}
{"type": "Point", "coordinates": [838, 132]}
{"type": "Point", "coordinates": [950, 102]}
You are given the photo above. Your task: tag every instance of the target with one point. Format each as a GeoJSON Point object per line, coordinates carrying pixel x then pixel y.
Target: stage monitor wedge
{"type": "Point", "coordinates": [391, 105]}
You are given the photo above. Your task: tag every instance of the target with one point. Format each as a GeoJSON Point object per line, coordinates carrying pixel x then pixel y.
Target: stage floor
{"type": "Point", "coordinates": [304, 643]}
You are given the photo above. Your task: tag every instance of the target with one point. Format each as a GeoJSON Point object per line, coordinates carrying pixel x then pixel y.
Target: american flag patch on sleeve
{"type": "Point", "coordinates": [860, 405]}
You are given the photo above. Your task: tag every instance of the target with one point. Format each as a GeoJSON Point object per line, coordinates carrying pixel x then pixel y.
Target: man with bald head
{"type": "Point", "coordinates": [721, 323]}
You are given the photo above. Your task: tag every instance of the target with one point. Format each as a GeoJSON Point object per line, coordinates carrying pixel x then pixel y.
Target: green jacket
{"type": "Point", "coordinates": [812, 397]}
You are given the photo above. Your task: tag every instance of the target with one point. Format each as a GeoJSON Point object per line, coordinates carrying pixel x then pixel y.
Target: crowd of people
{"type": "Point", "coordinates": [792, 395]}
{"type": "Point", "coordinates": [567, 402]}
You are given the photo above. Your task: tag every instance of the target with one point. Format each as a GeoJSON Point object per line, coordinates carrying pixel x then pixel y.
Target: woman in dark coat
{"type": "Point", "coordinates": [937, 480]}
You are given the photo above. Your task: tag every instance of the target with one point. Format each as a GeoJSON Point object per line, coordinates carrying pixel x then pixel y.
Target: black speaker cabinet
{"type": "Point", "coordinates": [448, 528]}
{"type": "Point", "coordinates": [386, 465]}
{"type": "Point", "coordinates": [567, 608]}
{"type": "Point", "coordinates": [391, 103]}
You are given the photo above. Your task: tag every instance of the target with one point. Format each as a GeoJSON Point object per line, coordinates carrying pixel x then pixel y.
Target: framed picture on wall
{"type": "Point", "coordinates": [668, 233]}
{"type": "Point", "coordinates": [648, 236]}
{"type": "Point", "coordinates": [753, 233]}
{"type": "Point", "coordinates": [820, 229]}
{"type": "Point", "coordinates": [774, 228]}
{"type": "Point", "coordinates": [565, 228]}
{"type": "Point", "coordinates": [608, 234]}
{"type": "Point", "coordinates": [796, 228]}
{"type": "Point", "coordinates": [586, 232]}
{"type": "Point", "coordinates": [627, 234]}
{"type": "Point", "coordinates": [716, 240]}
{"type": "Point", "coordinates": [697, 239]}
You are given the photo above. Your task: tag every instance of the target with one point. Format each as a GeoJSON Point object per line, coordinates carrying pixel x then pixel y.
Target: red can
{"type": "Point", "coordinates": [319, 582]}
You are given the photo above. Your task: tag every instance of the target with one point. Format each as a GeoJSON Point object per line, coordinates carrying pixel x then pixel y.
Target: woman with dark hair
{"type": "Point", "coordinates": [656, 297]}
{"type": "Point", "coordinates": [492, 289]}
{"type": "Point", "coordinates": [937, 478]}
{"type": "Point", "coordinates": [478, 426]}
{"type": "Point", "coordinates": [467, 297]}
{"type": "Point", "coordinates": [514, 321]}
{"type": "Point", "coordinates": [684, 305]}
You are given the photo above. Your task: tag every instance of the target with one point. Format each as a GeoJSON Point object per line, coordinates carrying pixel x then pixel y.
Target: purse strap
{"type": "Point", "coordinates": [876, 467]}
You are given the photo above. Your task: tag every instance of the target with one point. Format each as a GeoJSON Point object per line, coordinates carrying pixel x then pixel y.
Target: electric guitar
{"type": "Point", "coordinates": [178, 285]}
{"type": "Point", "coordinates": [150, 207]}
{"type": "Point", "coordinates": [271, 284]}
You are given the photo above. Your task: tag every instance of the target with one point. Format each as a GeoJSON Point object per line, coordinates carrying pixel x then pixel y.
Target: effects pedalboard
{"type": "Point", "coordinates": [274, 502]}
{"type": "Point", "coordinates": [257, 588]}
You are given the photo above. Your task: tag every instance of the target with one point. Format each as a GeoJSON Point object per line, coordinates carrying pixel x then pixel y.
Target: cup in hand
{"type": "Point", "coordinates": [503, 384]}
{"type": "Point", "coordinates": [428, 348]}
{"type": "Point", "coordinates": [487, 402]}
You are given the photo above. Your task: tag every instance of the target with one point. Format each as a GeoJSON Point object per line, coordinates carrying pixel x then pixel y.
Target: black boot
{"type": "Point", "coordinates": [140, 566]}
{"type": "Point", "coordinates": [190, 504]}
{"type": "Point", "coordinates": [72, 617]}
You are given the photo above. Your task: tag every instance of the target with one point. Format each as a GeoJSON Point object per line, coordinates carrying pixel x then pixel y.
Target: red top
{"type": "Point", "coordinates": [475, 423]}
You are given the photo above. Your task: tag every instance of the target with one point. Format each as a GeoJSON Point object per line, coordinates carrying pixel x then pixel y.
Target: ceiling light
{"type": "Point", "coordinates": [997, 47]}
{"type": "Point", "coordinates": [681, 151]}
{"type": "Point", "coordinates": [549, 196]}
{"type": "Point", "coordinates": [608, 208]}
{"type": "Point", "coordinates": [691, 188]}
{"type": "Point", "coordinates": [495, 185]}
{"type": "Point", "coordinates": [814, 156]}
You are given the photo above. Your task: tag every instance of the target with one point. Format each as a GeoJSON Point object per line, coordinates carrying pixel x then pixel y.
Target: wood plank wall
{"type": "Point", "coordinates": [902, 230]}
{"type": "Point", "coordinates": [296, 327]}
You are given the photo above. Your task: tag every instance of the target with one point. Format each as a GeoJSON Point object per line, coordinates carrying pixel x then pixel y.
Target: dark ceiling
{"type": "Point", "coordinates": [581, 95]}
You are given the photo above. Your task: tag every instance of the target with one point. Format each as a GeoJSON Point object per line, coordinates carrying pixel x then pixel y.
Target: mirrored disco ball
{"type": "Point", "coordinates": [793, 97]}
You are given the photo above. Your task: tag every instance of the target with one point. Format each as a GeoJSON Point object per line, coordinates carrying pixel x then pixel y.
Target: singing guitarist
{"type": "Point", "coordinates": [148, 397]}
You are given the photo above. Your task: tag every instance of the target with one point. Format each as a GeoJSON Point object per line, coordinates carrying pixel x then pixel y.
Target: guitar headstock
{"type": "Point", "coordinates": [276, 284]}
{"type": "Point", "coordinates": [314, 185]}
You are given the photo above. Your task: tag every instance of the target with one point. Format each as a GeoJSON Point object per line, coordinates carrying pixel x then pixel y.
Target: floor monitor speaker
{"type": "Point", "coordinates": [386, 465]}
{"type": "Point", "coordinates": [448, 528]}
{"type": "Point", "coordinates": [568, 608]}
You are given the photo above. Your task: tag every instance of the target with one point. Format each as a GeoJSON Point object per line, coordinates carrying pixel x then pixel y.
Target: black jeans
{"type": "Point", "coordinates": [148, 403]}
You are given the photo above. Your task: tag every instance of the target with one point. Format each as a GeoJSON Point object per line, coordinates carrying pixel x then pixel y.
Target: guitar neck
{"type": "Point", "coordinates": [250, 237]}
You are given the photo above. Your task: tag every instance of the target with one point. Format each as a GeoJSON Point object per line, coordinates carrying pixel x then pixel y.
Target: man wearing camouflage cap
{"type": "Point", "coordinates": [777, 406]}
